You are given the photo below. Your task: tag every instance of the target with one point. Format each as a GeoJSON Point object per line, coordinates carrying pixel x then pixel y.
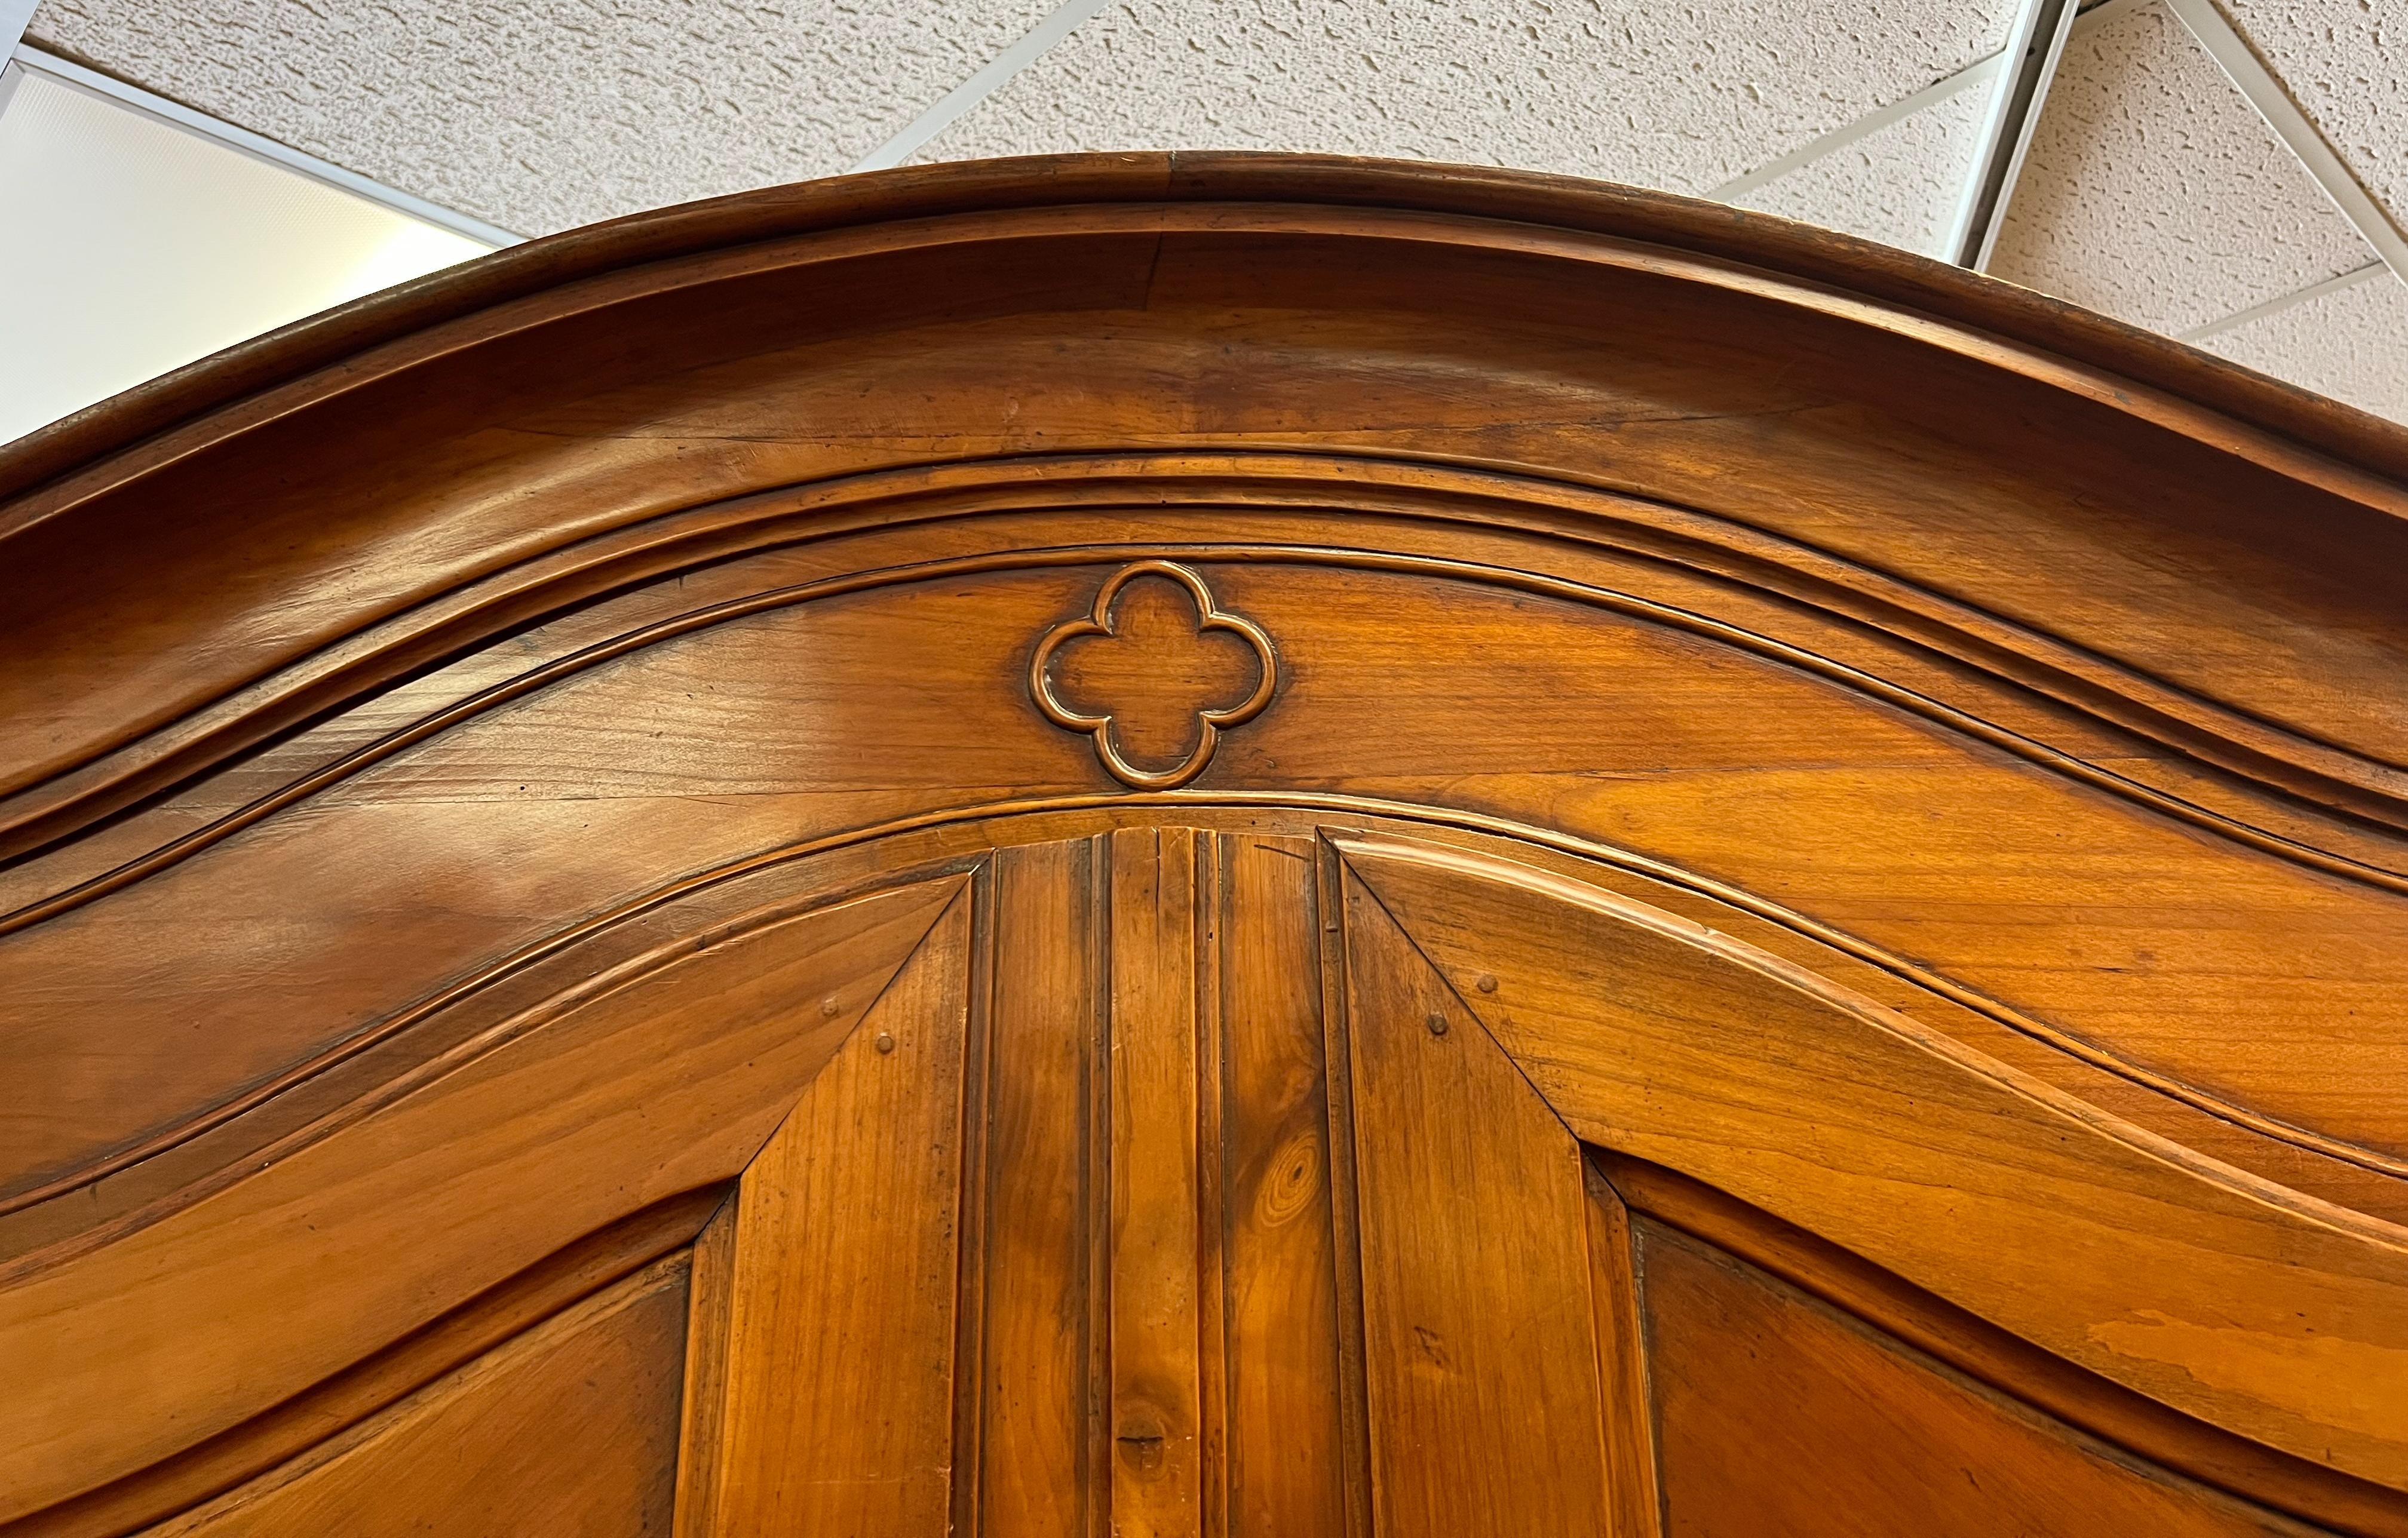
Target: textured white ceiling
{"type": "Point", "coordinates": [2345, 62]}
{"type": "Point", "coordinates": [1899, 183]}
{"type": "Point", "coordinates": [2154, 190]}
{"type": "Point", "coordinates": [2351, 344]}
{"type": "Point", "coordinates": [540, 115]}
{"type": "Point", "coordinates": [1680, 96]}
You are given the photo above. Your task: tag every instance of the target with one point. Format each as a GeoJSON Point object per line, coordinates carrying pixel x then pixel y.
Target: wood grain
{"type": "Point", "coordinates": [838, 1381]}
{"type": "Point", "coordinates": [2236, 981]}
{"type": "Point", "coordinates": [1156, 1411]}
{"type": "Point", "coordinates": [570, 1428]}
{"type": "Point", "coordinates": [1921, 772]}
{"type": "Point", "coordinates": [1288, 1463]}
{"type": "Point", "coordinates": [1038, 1399]}
{"type": "Point", "coordinates": [2110, 1248]}
{"type": "Point", "coordinates": [336, 1404]}
{"type": "Point", "coordinates": [1634, 1492]}
{"type": "Point", "coordinates": [170, 1334]}
{"type": "Point", "coordinates": [2005, 1362]}
{"type": "Point", "coordinates": [1780, 1415]}
{"type": "Point", "coordinates": [1486, 1410]}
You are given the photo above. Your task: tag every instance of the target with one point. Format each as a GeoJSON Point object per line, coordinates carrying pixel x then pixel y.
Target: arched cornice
{"type": "Point", "coordinates": [2168, 543]}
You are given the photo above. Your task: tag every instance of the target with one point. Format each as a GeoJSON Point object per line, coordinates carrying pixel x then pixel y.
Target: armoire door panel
{"type": "Point", "coordinates": [1486, 1412]}
{"type": "Point", "coordinates": [570, 1428]}
{"type": "Point", "coordinates": [1522, 860]}
{"type": "Point", "coordinates": [1782, 1414]}
{"type": "Point", "coordinates": [1201, 1181]}
{"type": "Point", "coordinates": [652, 1079]}
{"type": "Point", "coordinates": [837, 1386]}
{"type": "Point", "coordinates": [2111, 1248]}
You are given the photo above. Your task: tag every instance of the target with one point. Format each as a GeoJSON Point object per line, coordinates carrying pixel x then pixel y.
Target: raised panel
{"type": "Point", "coordinates": [652, 1080]}
{"type": "Point", "coordinates": [570, 1428]}
{"type": "Point", "coordinates": [1487, 1410]}
{"type": "Point", "coordinates": [836, 1382]}
{"type": "Point", "coordinates": [1780, 1415]}
{"type": "Point", "coordinates": [2222, 1297]}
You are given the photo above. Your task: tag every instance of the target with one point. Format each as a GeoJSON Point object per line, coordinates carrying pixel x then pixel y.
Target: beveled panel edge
{"type": "Point", "coordinates": [1925, 1131]}
{"type": "Point", "coordinates": [502, 1311]}
{"type": "Point", "coordinates": [2003, 1361]}
{"type": "Point", "coordinates": [491, 1015]}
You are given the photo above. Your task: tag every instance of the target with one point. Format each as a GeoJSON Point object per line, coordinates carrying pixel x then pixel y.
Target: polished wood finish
{"type": "Point", "coordinates": [1783, 1415]}
{"type": "Point", "coordinates": [570, 1427]}
{"type": "Point", "coordinates": [836, 1409]}
{"type": "Point", "coordinates": [1210, 846]}
{"type": "Point", "coordinates": [1478, 1320]}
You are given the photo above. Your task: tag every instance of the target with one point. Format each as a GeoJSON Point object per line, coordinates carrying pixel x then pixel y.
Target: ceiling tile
{"type": "Point", "coordinates": [1899, 183]}
{"type": "Point", "coordinates": [545, 114]}
{"type": "Point", "coordinates": [2154, 192]}
{"type": "Point", "coordinates": [1673, 95]}
{"type": "Point", "coordinates": [2351, 343]}
{"type": "Point", "coordinates": [2345, 64]}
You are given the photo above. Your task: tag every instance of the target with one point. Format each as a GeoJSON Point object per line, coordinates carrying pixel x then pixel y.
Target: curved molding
{"type": "Point", "coordinates": [543, 1290]}
{"type": "Point", "coordinates": [1656, 1037]}
{"type": "Point", "coordinates": [541, 1116]}
{"type": "Point", "coordinates": [514, 596]}
{"type": "Point", "coordinates": [273, 672]}
{"type": "Point", "coordinates": [2213, 400]}
{"type": "Point", "coordinates": [567, 942]}
{"type": "Point", "coordinates": [2004, 1362]}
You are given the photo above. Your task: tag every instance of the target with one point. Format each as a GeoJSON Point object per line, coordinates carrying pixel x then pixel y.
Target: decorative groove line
{"type": "Point", "coordinates": [2331, 778]}
{"type": "Point", "coordinates": [613, 978]}
{"type": "Point", "coordinates": [1779, 651]}
{"type": "Point", "coordinates": [1601, 853]}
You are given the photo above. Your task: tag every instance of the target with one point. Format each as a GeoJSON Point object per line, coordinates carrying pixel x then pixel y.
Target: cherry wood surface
{"type": "Point", "coordinates": [1205, 845]}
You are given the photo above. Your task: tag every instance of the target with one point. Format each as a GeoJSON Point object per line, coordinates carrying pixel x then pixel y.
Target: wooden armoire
{"type": "Point", "coordinates": [1205, 845]}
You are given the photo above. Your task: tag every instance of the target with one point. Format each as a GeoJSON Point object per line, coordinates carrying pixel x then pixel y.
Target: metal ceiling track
{"type": "Point", "coordinates": [2032, 51]}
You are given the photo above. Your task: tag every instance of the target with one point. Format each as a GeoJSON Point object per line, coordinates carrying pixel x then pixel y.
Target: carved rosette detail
{"type": "Point", "coordinates": [1212, 718]}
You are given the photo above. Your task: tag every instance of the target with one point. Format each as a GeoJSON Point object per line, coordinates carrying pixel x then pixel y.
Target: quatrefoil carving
{"type": "Point", "coordinates": [1154, 682]}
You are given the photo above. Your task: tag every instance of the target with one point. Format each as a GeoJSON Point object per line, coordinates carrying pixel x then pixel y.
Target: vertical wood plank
{"type": "Point", "coordinates": [1634, 1504]}
{"type": "Point", "coordinates": [1033, 1479]}
{"type": "Point", "coordinates": [1330, 881]}
{"type": "Point", "coordinates": [1279, 1290]}
{"type": "Point", "coordinates": [840, 1332]}
{"type": "Point", "coordinates": [1155, 1428]}
{"type": "Point", "coordinates": [702, 1433]}
{"type": "Point", "coordinates": [1486, 1414]}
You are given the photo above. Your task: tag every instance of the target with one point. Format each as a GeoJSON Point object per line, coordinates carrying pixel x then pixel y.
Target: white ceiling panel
{"type": "Point", "coordinates": [1899, 183]}
{"type": "Point", "coordinates": [1684, 96]}
{"type": "Point", "coordinates": [2345, 64]}
{"type": "Point", "coordinates": [130, 246]}
{"type": "Point", "coordinates": [2154, 192]}
{"type": "Point", "coordinates": [545, 114]}
{"type": "Point", "coordinates": [2351, 344]}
